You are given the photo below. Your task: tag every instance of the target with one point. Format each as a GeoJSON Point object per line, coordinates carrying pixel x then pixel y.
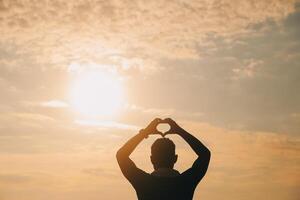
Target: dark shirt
{"type": "Point", "coordinates": [152, 187]}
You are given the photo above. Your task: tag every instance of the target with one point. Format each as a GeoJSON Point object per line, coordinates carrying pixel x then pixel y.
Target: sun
{"type": "Point", "coordinates": [97, 93]}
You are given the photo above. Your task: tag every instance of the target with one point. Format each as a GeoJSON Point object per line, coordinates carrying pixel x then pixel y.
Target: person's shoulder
{"type": "Point", "coordinates": [143, 174]}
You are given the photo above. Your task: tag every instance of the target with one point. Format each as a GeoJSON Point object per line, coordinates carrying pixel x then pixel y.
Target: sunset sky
{"type": "Point", "coordinates": [78, 78]}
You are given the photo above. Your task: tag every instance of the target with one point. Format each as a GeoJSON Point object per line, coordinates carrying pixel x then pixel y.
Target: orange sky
{"type": "Point", "coordinates": [79, 78]}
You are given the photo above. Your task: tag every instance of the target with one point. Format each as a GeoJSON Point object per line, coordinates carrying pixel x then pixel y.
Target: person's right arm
{"type": "Point", "coordinates": [127, 166]}
{"type": "Point", "coordinates": [199, 168]}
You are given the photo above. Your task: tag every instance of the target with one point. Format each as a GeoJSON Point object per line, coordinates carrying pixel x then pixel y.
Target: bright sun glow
{"type": "Point", "coordinates": [97, 93]}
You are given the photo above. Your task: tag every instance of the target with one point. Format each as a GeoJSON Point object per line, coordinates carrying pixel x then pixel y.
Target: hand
{"type": "Point", "coordinates": [151, 128]}
{"type": "Point", "coordinates": [174, 127]}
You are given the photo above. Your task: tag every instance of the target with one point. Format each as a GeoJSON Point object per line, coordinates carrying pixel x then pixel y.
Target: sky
{"type": "Point", "coordinates": [79, 78]}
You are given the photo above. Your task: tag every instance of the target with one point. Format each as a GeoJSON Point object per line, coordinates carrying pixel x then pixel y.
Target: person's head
{"type": "Point", "coordinates": [163, 153]}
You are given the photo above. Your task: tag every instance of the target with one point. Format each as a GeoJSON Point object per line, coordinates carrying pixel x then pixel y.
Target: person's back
{"type": "Point", "coordinates": [153, 188]}
{"type": "Point", "coordinates": [164, 182]}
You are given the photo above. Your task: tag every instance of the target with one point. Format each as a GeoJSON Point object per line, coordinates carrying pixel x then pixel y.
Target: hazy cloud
{"type": "Point", "coordinates": [13, 178]}
{"type": "Point", "coordinates": [95, 29]}
{"type": "Point", "coordinates": [55, 104]}
{"type": "Point", "coordinates": [106, 124]}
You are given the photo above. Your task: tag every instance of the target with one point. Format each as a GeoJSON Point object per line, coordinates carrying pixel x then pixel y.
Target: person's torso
{"type": "Point", "coordinates": [164, 188]}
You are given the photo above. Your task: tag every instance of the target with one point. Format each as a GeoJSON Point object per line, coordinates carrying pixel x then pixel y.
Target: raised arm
{"type": "Point", "coordinates": [127, 166]}
{"type": "Point", "coordinates": [125, 151]}
{"type": "Point", "coordinates": [199, 168]}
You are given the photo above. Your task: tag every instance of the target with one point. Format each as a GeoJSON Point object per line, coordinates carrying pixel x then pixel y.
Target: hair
{"type": "Point", "coordinates": [163, 153]}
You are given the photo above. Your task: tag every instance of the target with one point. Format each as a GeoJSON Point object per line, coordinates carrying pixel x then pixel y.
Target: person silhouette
{"type": "Point", "coordinates": [164, 183]}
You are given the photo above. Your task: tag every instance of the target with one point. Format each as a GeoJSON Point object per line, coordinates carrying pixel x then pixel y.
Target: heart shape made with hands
{"type": "Point", "coordinates": [163, 128]}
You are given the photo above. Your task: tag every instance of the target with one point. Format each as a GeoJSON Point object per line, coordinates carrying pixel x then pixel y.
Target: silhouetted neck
{"type": "Point", "coordinates": [165, 172]}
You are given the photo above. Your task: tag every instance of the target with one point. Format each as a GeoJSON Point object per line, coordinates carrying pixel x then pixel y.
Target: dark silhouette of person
{"type": "Point", "coordinates": [164, 183]}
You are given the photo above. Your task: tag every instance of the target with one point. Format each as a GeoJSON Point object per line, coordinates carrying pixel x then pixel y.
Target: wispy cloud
{"type": "Point", "coordinates": [249, 69]}
{"type": "Point", "coordinates": [103, 24]}
{"type": "Point", "coordinates": [107, 124]}
{"type": "Point", "coordinates": [13, 178]}
{"type": "Point", "coordinates": [55, 104]}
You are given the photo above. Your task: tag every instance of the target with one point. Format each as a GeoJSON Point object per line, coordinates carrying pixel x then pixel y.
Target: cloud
{"type": "Point", "coordinates": [107, 124]}
{"type": "Point", "coordinates": [24, 119]}
{"type": "Point", "coordinates": [55, 104]}
{"type": "Point", "coordinates": [228, 68]}
{"type": "Point", "coordinates": [151, 111]}
{"type": "Point", "coordinates": [101, 172]}
{"type": "Point", "coordinates": [247, 71]}
{"type": "Point", "coordinates": [131, 29]}
{"type": "Point", "coordinates": [13, 178]}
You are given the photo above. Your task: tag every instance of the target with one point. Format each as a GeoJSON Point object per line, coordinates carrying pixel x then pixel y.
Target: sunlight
{"type": "Point", "coordinates": [97, 93]}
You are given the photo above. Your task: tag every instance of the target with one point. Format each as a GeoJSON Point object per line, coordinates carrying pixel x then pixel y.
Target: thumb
{"type": "Point", "coordinates": [169, 132]}
{"type": "Point", "coordinates": [158, 132]}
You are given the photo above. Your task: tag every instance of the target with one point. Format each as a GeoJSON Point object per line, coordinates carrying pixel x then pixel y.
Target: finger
{"type": "Point", "coordinates": [163, 121]}
{"type": "Point", "coordinates": [169, 120]}
{"type": "Point", "coordinates": [157, 120]}
{"type": "Point", "coordinates": [153, 123]}
{"type": "Point", "coordinates": [157, 133]}
{"type": "Point", "coordinates": [169, 132]}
